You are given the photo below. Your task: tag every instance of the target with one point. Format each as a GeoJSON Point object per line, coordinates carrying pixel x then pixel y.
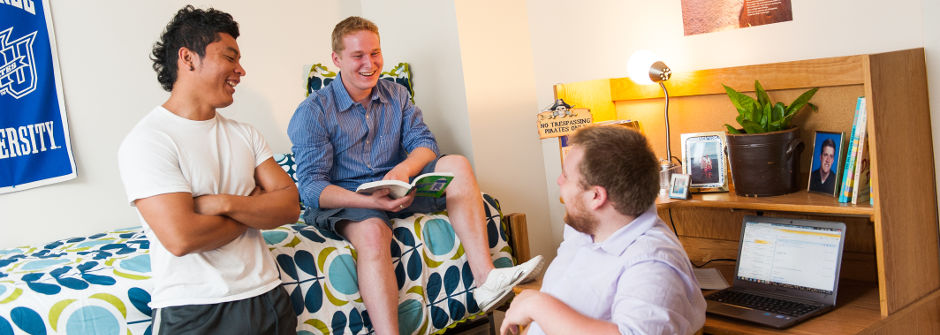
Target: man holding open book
{"type": "Point", "coordinates": [360, 129]}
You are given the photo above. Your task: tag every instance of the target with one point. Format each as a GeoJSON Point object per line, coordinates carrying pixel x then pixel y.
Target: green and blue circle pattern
{"type": "Point", "coordinates": [434, 279]}
{"type": "Point", "coordinates": [100, 284]}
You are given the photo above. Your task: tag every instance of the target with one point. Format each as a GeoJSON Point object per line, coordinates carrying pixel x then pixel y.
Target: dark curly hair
{"type": "Point", "coordinates": [193, 29]}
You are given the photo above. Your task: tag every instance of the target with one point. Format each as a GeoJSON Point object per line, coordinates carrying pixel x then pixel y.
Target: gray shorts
{"type": "Point", "coordinates": [268, 313]}
{"type": "Point", "coordinates": [327, 218]}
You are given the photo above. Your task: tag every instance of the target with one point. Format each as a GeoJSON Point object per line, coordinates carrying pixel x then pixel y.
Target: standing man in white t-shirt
{"type": "Point", "coordinates": [204, 186]}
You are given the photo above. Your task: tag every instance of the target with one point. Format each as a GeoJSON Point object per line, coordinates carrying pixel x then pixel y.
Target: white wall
{"type": "Point", "coordinates": [592, 39]}
{"type": "Point", "coordinates": [424, 34]}
{"type": "Point", "coordinates": [499, 76]}
{"type": "Point", "coordinates": [476, 102]}
{"type": "Point", "coordinates": [104, 48]}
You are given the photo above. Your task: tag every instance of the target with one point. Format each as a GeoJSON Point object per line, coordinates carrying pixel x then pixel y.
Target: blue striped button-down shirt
{"type": "Point", "coordinates": [341, 142]}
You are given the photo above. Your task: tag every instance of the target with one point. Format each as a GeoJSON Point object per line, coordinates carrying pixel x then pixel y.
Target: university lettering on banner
{"type": "Point", "coordinates": [34, 144]}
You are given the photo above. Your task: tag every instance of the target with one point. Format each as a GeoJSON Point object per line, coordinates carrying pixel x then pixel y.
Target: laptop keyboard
{"type": "Point", "coordinates": [762, 303]}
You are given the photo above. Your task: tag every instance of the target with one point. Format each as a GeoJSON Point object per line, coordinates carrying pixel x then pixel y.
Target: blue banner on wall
{"type": "Point", "coordinates": [34, 136]}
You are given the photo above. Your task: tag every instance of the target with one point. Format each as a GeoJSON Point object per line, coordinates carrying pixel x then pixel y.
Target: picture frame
{"type": "Point", "coordinates": [827, 155]}
{"type": "Point", "coordinates": [704, 159]}
{"type": "Point", "coordinates": [679, 186]}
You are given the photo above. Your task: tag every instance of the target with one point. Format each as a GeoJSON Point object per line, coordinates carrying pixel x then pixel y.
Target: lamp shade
{"type": "Point", "coordinates": [645, 68]}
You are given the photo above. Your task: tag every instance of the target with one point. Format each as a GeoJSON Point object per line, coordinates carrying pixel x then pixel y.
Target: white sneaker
{"type": "Point", "coordinates": [499, 282]}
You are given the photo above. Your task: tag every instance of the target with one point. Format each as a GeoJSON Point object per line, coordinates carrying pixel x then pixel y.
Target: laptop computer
{"type": "Point", "coordinates": [787, 271]}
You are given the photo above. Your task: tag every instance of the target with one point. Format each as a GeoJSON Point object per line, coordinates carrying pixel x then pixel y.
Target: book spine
{"type": "Point", "coordinates": [862, 174]}
{"type": "Point", "coordinates": [859, 151]}
{"type": "Point", "coordinates": [846, 189]}
{"type": "Point", "coordinates": [857, 145]}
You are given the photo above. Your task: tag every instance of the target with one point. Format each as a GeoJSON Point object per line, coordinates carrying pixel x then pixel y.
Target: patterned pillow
{"type": "Point", "coordinates": [401, 74]}
{"type": "Point", "coordinates": [286, 161]}
{"type": "Point", "coordinates": [319, 76]}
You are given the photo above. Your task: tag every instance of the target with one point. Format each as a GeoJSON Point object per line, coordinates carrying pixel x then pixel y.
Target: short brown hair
{"type": "Point", "coordinates": [620, 160]}
{"type": "Point", "coordinates": [350, 25]}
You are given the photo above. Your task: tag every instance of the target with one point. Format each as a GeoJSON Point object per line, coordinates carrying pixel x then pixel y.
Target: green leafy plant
{"type": "Point", "coordinates": [762, 115]}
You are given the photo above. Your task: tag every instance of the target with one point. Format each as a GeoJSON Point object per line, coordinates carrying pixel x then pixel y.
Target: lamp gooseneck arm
{"type": "Point", "coordinates": [668, 146]}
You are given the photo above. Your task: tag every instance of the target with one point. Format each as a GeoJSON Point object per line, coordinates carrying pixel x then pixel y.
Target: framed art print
{"type": "Point", "coordinates": [824, 171]}
{"type": "Point", "coordinates": [704, 160]}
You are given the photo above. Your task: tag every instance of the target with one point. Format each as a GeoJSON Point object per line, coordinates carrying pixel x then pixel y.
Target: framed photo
{"type": "Point", "coordinates": [679, 186]}
{"type": "Point", "coordinates": [705, 161]}
{"type": "Point", "coordinates": [824, 172]}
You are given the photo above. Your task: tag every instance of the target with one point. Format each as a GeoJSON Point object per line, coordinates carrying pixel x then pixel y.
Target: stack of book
{"type": "Point", "coordinates": [856, 178]}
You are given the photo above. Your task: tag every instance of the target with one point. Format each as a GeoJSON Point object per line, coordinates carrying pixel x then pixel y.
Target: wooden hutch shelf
{"type": "Point", "coordinates": [802, 201]}
{"type": "Point", "coordinates": [890, 280]}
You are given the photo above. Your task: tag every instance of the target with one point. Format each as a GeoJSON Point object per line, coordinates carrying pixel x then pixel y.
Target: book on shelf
{"type": "Point", "coordinates": [848, 175]}
{"type": "Point", "coordinates": [848, 152]}
{"type": "Point", "coordinates": [861, 136]}
{"type": "Point", "coordinates": [862, 191]}
{"type": "Point", "coordinates": [430, 184]}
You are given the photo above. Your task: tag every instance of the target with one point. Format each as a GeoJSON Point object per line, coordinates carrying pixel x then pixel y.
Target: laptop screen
{"type": "Point", "coordinates": [794, 256]}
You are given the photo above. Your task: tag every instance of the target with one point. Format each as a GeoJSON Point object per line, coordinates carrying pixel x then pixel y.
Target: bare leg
{"type": "Point", "coordinates": [377, 284]}
{"type": "Point", "coordinates": [465, 209]}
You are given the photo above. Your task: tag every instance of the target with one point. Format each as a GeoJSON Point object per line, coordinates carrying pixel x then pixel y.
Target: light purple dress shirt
{"type": "Point", "coordinates": [640, 278]}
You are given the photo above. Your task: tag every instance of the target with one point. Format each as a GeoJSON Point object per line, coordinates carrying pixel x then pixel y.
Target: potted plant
{"type": "Point", "coordinates": [764, 153]}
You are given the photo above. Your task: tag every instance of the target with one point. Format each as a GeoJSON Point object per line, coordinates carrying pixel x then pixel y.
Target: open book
{"type": "Point", "coordinates": [427, 185]}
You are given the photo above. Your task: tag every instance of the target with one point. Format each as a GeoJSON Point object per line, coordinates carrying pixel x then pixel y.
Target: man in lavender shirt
{"type": "Point", "coordinates": [620, 269]}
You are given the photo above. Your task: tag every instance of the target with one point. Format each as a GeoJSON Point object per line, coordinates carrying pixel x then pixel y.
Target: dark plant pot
{"type": "Point", "coordinates": [765, 164]}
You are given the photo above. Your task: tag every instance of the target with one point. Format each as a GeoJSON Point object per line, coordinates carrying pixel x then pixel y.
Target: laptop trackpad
{"type": "Point", "coordinates": [752, 315]}
{"type": "Point", "coordinates": [727, 310]}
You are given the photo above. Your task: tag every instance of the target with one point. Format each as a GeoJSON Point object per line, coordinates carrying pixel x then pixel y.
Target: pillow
{"type": "Point", "coordinates": [319, 76]}
{"type": "Point", "coordinates": [286, 161]}
{"type": "Point", "coordinates": [401, 74]}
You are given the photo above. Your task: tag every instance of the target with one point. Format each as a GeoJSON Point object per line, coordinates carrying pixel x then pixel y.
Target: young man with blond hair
{"type": "Point", "coordinates": [360, 129]}
{"type": "Point", "coordinates": [640, 280]}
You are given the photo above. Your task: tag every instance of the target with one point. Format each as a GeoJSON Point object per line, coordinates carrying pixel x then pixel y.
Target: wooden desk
{"type": "Point", "coordinates": [856, 309]}
{"type": "Point", "coordinates": [532, 285]}
{"type": "Point", "coordinates": [891, 247]}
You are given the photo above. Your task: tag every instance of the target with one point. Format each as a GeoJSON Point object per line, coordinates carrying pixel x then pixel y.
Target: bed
{"type": "Point", "coordinates": [101, 284]}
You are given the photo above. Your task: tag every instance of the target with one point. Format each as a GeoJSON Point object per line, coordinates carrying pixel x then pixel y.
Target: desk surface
{"type": "Point", "coordinates": [532, 285]}
{"type": "Point", "coordinates": [857, 308]}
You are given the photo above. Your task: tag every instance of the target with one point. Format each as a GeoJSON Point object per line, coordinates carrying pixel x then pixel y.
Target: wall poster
{"type": "Point", "coordinates": [706, 16]}
{"type": "Point", "coordinates": [35, 149]}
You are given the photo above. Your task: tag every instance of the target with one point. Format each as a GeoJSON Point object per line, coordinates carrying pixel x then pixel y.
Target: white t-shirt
{"type": "Point", "coordinates": [166, 153]}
